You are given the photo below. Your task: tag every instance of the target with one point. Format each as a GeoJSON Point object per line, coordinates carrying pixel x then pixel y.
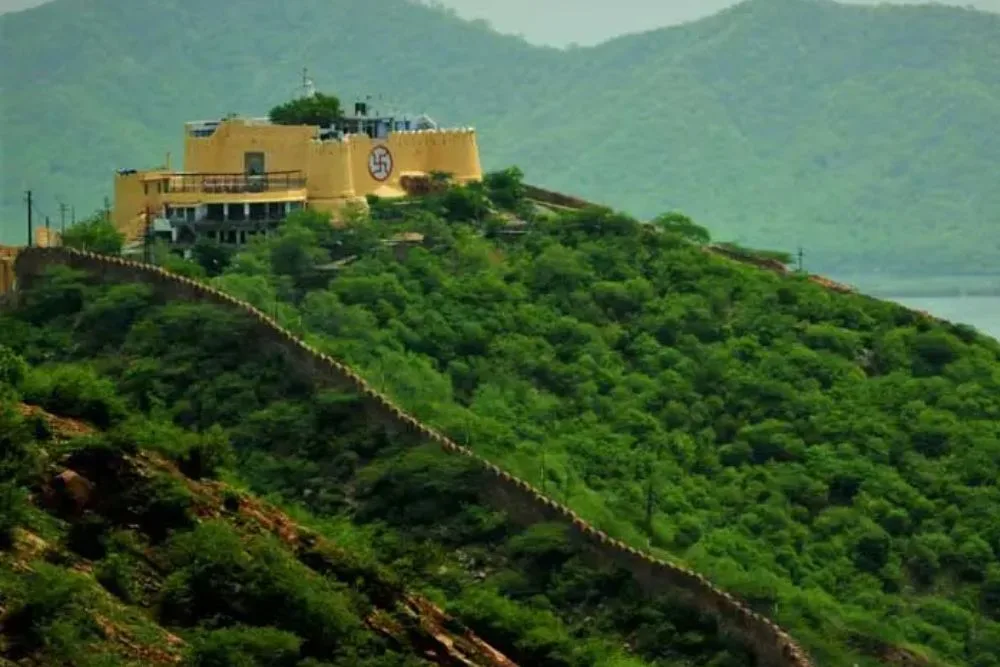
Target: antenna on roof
{"type": "Point", "coordinates": [308, 88]}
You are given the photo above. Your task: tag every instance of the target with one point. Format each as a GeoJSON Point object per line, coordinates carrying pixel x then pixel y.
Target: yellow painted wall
{"type": "Point", "coordinates": [285, 147]}
{"type": "Point", "coordinates": [46, 238]}
{"type": "Point", "coordinates": [456, 152]}
{"type": "Point", "coordinates": [7, 256]}
{"type": "Point", "coordinates": [133, 193]}
{"type": "Point", "coordinates": [328, 175]}
{"type": "Point", "coordinates": [336, 172]}
{"type": "Point", "coordinates": [452, 151]}
{"type": "Point", "coordinates": [6, 275]}
{"type": "Point", "coordinates": [293, 148]}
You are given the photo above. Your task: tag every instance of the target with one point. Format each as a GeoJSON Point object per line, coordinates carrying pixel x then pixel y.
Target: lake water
{"type": "Point", "coordinates": [982, 312]}
{"type": "Point", "coordinates": [962, 299]}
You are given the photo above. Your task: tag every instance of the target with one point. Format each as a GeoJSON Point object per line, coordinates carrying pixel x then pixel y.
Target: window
{"type": "Point", "coordinates": [253, 164]}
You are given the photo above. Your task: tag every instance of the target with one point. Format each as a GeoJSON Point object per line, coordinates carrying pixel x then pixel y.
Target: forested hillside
{"type": "Point", "coordinates": [864, 134]}
{"type": "Point", "coordinates": [119, 546]}
{"type": "Point", "coordinates": [831, 459]}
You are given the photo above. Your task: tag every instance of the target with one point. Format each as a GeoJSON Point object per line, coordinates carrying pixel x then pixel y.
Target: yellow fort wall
{"type": "Point", "coordinates": [423, 151]}
{"type": "Point", "coordinates": [456, 152]}
{"type": "Point", "coordinates": [771, 644]}
{"type": "Point", "coordinates": [286, 147]}
{"type": "Point", "coordinates": [336, 172]}
{"type": "Point", "coordinates": [132, 195]}
{"type": "Point", "coordinates": [333, 169]}
{"type": "Point", "coordinates": [7, 256]}
{"type": "Point", "coordinates": [329, 175]}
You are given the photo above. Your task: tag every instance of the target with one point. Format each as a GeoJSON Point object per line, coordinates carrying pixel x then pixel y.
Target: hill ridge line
{"type": "Point", "coordinates": [562, 200]}
{"type": "Point", "coordinates": [770, 643]}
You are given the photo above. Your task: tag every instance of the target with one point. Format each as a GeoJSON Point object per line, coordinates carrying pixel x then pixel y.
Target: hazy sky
{"type": "Point", "coordinates": [560, 22]}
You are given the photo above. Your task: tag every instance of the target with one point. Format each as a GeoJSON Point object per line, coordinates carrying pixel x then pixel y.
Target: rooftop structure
{"type": "Point", "coordinates": [243, 176]}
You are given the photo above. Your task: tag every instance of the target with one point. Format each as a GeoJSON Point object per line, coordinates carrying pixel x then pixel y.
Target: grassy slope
{"type": "Point", "coordinates": [775, 123]}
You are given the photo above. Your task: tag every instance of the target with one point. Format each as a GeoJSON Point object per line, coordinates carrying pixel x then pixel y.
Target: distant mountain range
{"type": "Point", "coordinates": [867, 135]}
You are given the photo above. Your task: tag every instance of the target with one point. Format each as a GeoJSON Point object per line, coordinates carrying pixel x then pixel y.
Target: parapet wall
{"type": "Point", "coordinates": [772, 645]}
{"type": "Point", "coordinates": [555, 198]}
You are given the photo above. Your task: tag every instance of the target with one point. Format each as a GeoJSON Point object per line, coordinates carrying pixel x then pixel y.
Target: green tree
{"type": "Point", "coordinates": [95, 234]}
{"type": "Point", "coordinates": [505, 187]}
{"type": "Point", "coordinates": [13, 370]}
{"type": "Point", "coordinates": [318, 109]}
{"type": "Point", "coordinates": [212, 256]}
{"type": "Point", "coordinates": [680, 224]}
{"type": "Point", "coordinates": [244, 646]}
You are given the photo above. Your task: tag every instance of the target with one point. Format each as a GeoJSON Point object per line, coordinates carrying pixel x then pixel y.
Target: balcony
{"type": "Point", "coordinates": [273, 181]}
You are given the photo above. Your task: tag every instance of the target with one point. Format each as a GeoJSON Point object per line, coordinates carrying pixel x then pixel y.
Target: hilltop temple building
{"type": "Point", "coordinates": [242, 177]}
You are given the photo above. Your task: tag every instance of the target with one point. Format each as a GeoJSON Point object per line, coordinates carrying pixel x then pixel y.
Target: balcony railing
{"type": "Point", "coordinates": [273, 181]}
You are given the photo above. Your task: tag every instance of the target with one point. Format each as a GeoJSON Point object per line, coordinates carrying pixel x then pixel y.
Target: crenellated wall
{"type": "Point", "coordinates": [454, 151]}
{"type": "Point", "coordinates": [772, 645]}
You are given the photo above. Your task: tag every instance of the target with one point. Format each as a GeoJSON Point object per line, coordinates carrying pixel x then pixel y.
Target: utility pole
{"type": "Point", "coordinates": [48, 232]}
{"type": "Point", "coordinates": [30, 206]}
{"type": "Point", "coordinates": [62, 217]}
{"type": "Point", "coordinates": [800, 259]}
{"type": "Point", "coordinates": [72, 215]}
{"type": "Point", "coordinates": [145, 239]}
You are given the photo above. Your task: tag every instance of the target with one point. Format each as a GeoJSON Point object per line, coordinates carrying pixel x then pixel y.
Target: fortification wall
{"type": "Point", "coordinates": [772, 645]}
{"type": "Point", "coordinates": [286, 147]}
{"type": "Point", "coordinates": [773, 265]}
{"type": "Point", "coordinates": [452, 151]}
{"type": "Point", "coordinates": [556, 198]}
{"type": "Point", "coordinates": [329, 177]}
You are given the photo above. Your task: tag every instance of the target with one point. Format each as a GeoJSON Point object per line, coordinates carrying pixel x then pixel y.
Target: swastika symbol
{"type": "Point", "coordinates": [380, 163]}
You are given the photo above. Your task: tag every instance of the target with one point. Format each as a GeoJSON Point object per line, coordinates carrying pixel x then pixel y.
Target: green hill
{"type": "Point", "coordinates": [867, 135]}
{"type": "Point", "coordinates": [119, 547]}
{"type": "Point", "coordinates": [830, 459]}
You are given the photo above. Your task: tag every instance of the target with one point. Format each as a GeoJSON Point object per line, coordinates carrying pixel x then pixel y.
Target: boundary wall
{"type": "Point", "coordinates": [772, 645]}
{"type": "Point", "coordinates": [555, 198]}
{"type": "Point", "coordinates": [561, 200]}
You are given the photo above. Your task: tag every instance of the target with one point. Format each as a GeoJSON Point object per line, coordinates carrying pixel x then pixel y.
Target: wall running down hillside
{"type": "Point", "coordinates": [771, 644]}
